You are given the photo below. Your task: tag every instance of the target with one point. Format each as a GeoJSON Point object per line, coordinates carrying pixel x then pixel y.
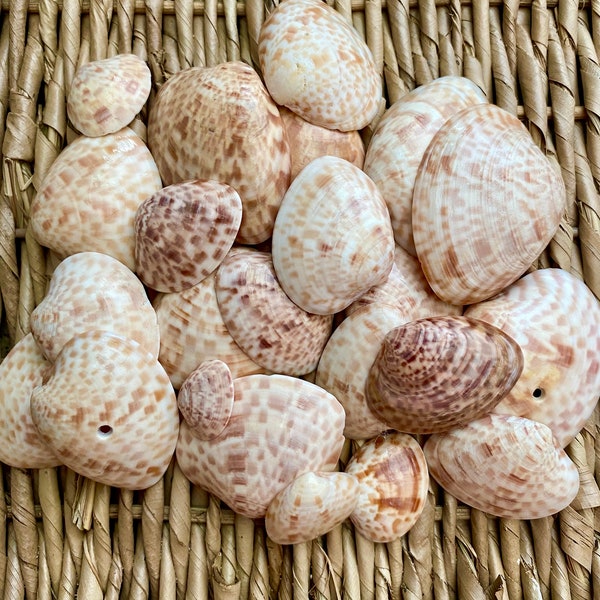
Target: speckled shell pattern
{"type": "Point", "coordinates": [108, 411]}
{"type": "Point", "coordinates": [312, 505]}
{"type": "Point", "coordinates": [318, 66]}
{"type": "Point", "coordinates": [504, 465]}
{"type": "Point", "coordinates": [555, 318]}
{"type": "Point", "coordinates": [401, 137]}
{"type": "Point", "coordinates": [272, 330]}
{"type": "Point", "coordinates": [183, 233]}
{"type": "Point", "coordinates": [88, 199]}
{"type": "Point", "coordinates": [214, 123]}
{"type": "Point", "coordinates": [280, 428]}
{"type": "Point", "coordinates": [332, 239]}
{"type": "Point", "coordinates": [346, 360]}
{"type": "Point", "coordinates": [105, 95]}
{"type": "Point", "coordinates": [486, 202]}
{"type": "Point", "coordinates": [90, 290]}
{"type": "Point", "coordinates": [435, 373]}
{"type": "Point", "coordinates": [192, 331]}
{"type": "Point", "coordinates": [393, 481]}
{"type": "Point", "coordinates": [21, 371]}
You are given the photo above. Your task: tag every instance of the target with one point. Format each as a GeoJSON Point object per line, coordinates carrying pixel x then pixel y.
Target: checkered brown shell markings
{"type": "Point", "coordinates": [555, 318]}
{"type": "Point", "coordinates": [317, 65]}
{"type": "Point", "coordinates": [401, 138]}
{"type": "Point", "coordinates": [90, 290]}
{"type": "Point", "coordinates": [220, 123]}
{"type": "Point", "coordinates": [504, 465]}
{"type": "Point", "coordinates": [308, 141]}
{"type": "Point", "coordinates": [192, 331]}
{"type": "Point", "coordinates": [435, 373]}
{"type": "Point", "coordinates": [183, 232]}
{"type": "Point", "coordinates": [344, 366]}
{"type": "Point", "coordinates": [107, 94]}
{"type": "Point", "coordinates": [21, 371]}
{"type": "Point", "coordinates": [280, 427]}
{"type": "Point", "coordinates": [88, 199]}
{"type": "Point", "coordinates": [272, 330]}
{"type": "Point", "coordinates": [486, 202]}
{"type": "Point", "coordinates": [393, 481]}
{"type": "Point", "coordinates": [108, 411]}
{"type": "Point", "coordinates": [332, 239]}
{"type": "Point", "coordinates": [206, 399]}
{"type": "Point", "coordinates": [312, 505]}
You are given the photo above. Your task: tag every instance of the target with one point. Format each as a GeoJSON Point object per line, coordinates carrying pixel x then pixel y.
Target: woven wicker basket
{"type": "Point", "coordinates": [62, 536]}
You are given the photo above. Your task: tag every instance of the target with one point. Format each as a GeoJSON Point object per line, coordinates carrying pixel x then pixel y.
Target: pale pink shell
{"type": "Point", "coordinates": [506, 466]}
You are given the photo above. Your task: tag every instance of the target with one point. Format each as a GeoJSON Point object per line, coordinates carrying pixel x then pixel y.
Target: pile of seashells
{"type": "Point", "coordinates": [259, 273]}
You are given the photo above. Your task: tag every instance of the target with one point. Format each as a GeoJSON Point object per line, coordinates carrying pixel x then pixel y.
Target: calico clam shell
{"type": "Point", "coordinates": [332, 239]}
{"type": "Point", "coordinates": [504, 465]}
{"type": "Point", "coordinates": [555, 318]}
{"type": "Point", "coordinates": [486, 202]}
{"type": "Point", "coordinates": [434, 373]}
{"type": "Point", "coordinates": [317, 65]}
{"type": "Point", "coordinates": [280, 428]}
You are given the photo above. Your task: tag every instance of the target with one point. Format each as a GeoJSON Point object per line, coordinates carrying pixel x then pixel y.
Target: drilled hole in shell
{"type": "Point", "coordinates": [538, 393]}
{"type": "Point", "coordinates": [105, 431]}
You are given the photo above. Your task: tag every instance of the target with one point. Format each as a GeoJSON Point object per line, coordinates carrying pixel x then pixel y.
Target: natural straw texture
{"type": "Point", "coordinates": [62, 536]}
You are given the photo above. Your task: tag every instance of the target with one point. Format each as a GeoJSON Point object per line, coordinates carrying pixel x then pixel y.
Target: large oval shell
{"type": "Point", "coordinates": [434, 373]}
{"type": "Point", "coordinates": [486, 203]}
{"type": "Point", "coordinates": [555, 318]}
{"type": "Point", "coordinates": [317, 65]}
{"type": "Point", "coordinates": [332, 239]}
{"type": "Point", "coordinates": [504, 465]}
{"type": "Point", "coordinates": [393, 481]}
{"type": "Point", "coordinates": [280, 427]}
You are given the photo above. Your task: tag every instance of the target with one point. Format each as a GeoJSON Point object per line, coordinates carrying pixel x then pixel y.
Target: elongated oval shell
{"type": "Point", "coordinates": [312, 505]}
{"type": "Point", "coordinates": [486, 202]}
{"type": "Point", "coordinates": [332, 239]}
{"type": "Point", "coordinates": [318, 66]}
{"type": "Point", "coordinates": [106, 94]}
{"type": "Point", "coordinates": [393, 481]}
{"type": "Point", "coordinates": [108, 411]}
{"type": "Point", "coordinates": [555, 318]}
{"type": "Point", "coordinates": [88, 199]}
{"type": "Point", "coordinates": [504, 465]}
{"type": "Point", "coordinates": [21, 371]}
{"type": "Point", "coordinates": [272, 330]}
{"type": "Point", "coordinates": [90, 290]}
{"type": "Point", "coordinates": [434, 373]}
{"type": "Point", "coordinates": [280, 427]}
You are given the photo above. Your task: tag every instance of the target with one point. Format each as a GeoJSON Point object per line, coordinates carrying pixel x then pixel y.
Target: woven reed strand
{"type": "Point", "coordinates": [61, 536]}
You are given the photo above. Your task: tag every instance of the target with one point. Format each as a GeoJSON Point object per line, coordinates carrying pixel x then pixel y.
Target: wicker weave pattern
{"type": "Point", "coordinates": [64, 536]}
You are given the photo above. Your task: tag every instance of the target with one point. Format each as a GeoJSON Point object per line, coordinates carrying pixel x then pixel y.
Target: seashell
{"type": "Point", "coordinates": [280, 427]}
{"type": "Point", "coordinates": [332, 239]}
{"type": "Point", "coordinates": [401, 138]}
{"type": "Point", "coordinates": [555, 318]}
{"type": "Point", "coordinates": [107, 94]}
{"type": "Point", "coordinates": [206, 399]}
{"type": "Point", "coordinates": [213, 123]}
{"type": "Point", "coordinates": [108, 411]}
{"type": "Point", "coordinates": [435, 373]}
{"type": "Point", "coordinates": [263, 321]}
{"type": "Point", "coordinates": [393, 481]}
{"type": "Point", "coordinates": [192, 331]}
{"type": "Point", "coordinates": [317, 65]}
{"type": "Point", "coordinates": [308, 141]}
{"type": "Point", "coordinates": [88, 199]}
{"type": "Point", "coordinates": [346, 360]}
{"type": "Point", "coordinates": [90, 290]}
{"type": "Point", "coordinates": [504, 465]}
{"type": "Point", "coordinates": [486, 202]}
{"type": "Point", "coordinates": [312, 505]}
{"type": "Point", "coordinates": [22, 370]}
{"type": "Point", "coordinates": [183, 232]}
